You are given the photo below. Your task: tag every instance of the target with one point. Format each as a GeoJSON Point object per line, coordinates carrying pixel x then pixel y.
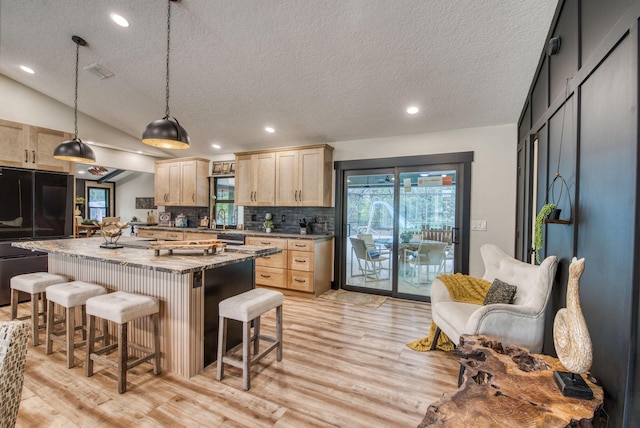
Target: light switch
{"type": "Point", "coordinates": [478, 224]}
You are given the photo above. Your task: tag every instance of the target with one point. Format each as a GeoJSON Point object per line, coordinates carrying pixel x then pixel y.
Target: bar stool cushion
{"type": "Point", "coordinates": [74, 293]}
{"type": "Point", "coordinates": [249, 305]}
{"type": "Point", "coordinates": [36, 282]}
{"type": "Point", "coordinates": [122, 307]}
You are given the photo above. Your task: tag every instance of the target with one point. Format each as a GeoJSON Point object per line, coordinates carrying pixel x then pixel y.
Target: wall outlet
{"type": "Point", "coordinates": [478, 224]}
{"type": "Point", "coordinates": [284, 218]}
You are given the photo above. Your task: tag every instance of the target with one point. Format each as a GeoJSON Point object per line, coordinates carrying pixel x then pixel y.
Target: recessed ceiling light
{"type": "Point", "coordinates": [90, 142]}
{"type": "Point", "coordinates": [269, 129]}
{"type": "Point", "coordinates": [27, 69]}
{"type": "Point", "coordinates": [121, 21]}
{"type": "Point", "coordinates": [413, 110]}
{"type": "Point", "coordinates": [81, 171]}
{"type": "Point", "coordinates": [216, 146]}
{"type": "Point", "coordinates": [444, 175]}
{"type": "Point", "coordinates": [140, 152]}
{"type": "Point", "coordinates": [424, 174]}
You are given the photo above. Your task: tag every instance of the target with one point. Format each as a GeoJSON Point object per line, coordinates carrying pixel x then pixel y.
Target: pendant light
{"type": "Point", "coordinates": [166, 133]}
{"type": "Point", "coordinates": [75, 150]}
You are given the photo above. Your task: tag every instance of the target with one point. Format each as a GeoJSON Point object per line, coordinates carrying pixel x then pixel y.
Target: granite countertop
{"type": "Point", "coordinates": [180, 262]}
{"type": "Point", "coordinates": [244, 232]}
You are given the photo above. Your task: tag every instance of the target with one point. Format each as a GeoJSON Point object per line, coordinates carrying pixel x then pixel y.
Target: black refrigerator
{"type": "Point", "coordinates": [33, 205]}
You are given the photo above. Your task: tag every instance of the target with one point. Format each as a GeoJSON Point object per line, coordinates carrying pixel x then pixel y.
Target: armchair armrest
{"type": "Point", "coordinates": [439, 292]}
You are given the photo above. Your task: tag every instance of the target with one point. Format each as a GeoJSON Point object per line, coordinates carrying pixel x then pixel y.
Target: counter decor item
{"type": "Point", "coordinates": [181, 220]}
{"type": "Point", "coordinates": [267, 225]}
{"type": "Point", "coordinates": [164, 219]}
{"type": "Point", "coordinates": [111, 230]}
{"type": "Point", "coordinates": [572, 341]}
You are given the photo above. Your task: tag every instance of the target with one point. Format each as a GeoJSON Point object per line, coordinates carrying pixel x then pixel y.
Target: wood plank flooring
{"type": "Point", "coordinates": [343, 366]}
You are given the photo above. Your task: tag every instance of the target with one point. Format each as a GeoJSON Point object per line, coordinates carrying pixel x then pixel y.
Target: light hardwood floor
{"type": "Point", "coordinates": [343, 365]}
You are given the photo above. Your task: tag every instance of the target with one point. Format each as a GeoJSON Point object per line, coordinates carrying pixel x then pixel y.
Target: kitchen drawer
{"type": "Point", "coordinates": [271, 277]}
{"type": "Point", "coordinates": [300, 244]}
{"type": "Point", "coordinates": [301, 260]}
{"type": "Point", "coordinates": [274, 260]}
{"type": "Point", "coordinates": [301, 281]}
{"type": "Point", "coordinates": [268, 242]}
{"type": "Point", "coordinates": [188, 236]}
{"type": "Point", "coordinates": [161, 234]}
{"type": "Point", "coordinates": [173, 236]}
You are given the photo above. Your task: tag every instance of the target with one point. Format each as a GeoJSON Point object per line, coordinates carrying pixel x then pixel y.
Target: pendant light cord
{"type": "Point", "coordinates": [75, 101]}
{"type": "Point", "coordinates": [166, 112]}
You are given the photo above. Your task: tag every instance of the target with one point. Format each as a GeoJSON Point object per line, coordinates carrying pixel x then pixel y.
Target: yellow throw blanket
{"type": "Point", "coordinates": [462, 288]}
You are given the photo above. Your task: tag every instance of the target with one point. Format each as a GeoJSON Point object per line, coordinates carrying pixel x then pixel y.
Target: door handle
{"type": "Point", "coordinates": [455, 232]}
{"type": "Point", "coordinates": [299, 195]}
{"type": "Point", "coordinates": [295, 196]}
{"type": "Point", "coordinates": [193, 197]}
{"type": "Point", "coordinates": [33, 156]}
{"type": "Point", "coordinates": [26, 156]}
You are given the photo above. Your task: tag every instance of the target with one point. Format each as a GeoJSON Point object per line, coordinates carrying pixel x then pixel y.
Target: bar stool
{"type": "Point", "coordinates": [122, 307]}
{"type": "Point", "coordinates": [248, 307]}
{"type": "Point", "coordinates": [34, 284]}
{"type": "Point", "coordinates": [69, 295]}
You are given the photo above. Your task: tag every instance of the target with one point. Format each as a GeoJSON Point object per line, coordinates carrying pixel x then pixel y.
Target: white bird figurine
{"type": "Point", "coordinates": [570, 332]}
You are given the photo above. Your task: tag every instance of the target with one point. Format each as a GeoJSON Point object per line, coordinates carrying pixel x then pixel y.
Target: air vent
{"type": "Point", "coordinates": [99, 70]}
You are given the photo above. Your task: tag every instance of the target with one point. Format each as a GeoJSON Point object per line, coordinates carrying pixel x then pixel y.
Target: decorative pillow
{"type": "Point", "coordinates": [374, 254]}
{"type": "Point", "coordinates": [500, 292]}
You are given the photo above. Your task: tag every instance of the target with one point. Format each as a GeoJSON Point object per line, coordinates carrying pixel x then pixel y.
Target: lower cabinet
{"type": "Point", "coordinates": [304, 265]}
{"type": "Point", "coordinates": [169, 235]}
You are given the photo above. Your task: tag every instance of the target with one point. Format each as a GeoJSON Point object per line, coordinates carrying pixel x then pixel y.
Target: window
{"type": "Point", "coordinates": [98, 204]}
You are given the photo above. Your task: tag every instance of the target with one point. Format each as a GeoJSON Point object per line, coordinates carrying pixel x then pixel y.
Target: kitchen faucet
{"type": "Point", "coordinates": [223, 214]}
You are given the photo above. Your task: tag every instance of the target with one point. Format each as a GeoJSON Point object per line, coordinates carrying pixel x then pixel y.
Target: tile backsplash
{"type": "Point", "coordinates": [322, 219]}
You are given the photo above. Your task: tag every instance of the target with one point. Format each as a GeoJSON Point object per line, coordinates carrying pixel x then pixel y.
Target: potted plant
{"type": "Point", "coordinates": [267, 225]}
{"type": "Point", "coordinates": [80, 200]}
{"type": "Point", "coordinates": [537, 237]}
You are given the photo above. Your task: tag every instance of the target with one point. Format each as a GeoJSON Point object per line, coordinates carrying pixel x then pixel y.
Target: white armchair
{"type": "Point", "coordinates": [520, 323]}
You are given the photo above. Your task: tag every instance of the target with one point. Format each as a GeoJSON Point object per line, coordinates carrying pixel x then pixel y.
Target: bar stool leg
{"type": "Point", "coordinates": [279, 332]}
{"type": "Point", "coordinates": [155, 318]}
{"type": "Point", "coordinates": [71, 329]}
{"type": "Point", "coordinates": [246, 357]}
{"type": "Point", "coordinates": [256, 335]}
{"type": "Point", "coordinates": [14, 304]}
{"type": "Point", "coordinates": [49, 328]}
{"type": "Point", "coordinates": [35, 309]}
{"type": "Point", "coordinates": [222, 345]}
{"type": "Point", "coordinates": [91, 326]}
{"type": "Point", "coordinates": [122, 357]}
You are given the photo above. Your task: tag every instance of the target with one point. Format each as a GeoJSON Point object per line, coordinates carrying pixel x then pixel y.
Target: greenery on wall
{"type": "Point", "coordinates": [537, 238]}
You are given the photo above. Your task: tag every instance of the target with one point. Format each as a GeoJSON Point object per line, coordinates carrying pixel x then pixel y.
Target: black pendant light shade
{"type": "Point", "coordinates": [166, 133]}
{"type": "Point", "coordinates": [75, 150]}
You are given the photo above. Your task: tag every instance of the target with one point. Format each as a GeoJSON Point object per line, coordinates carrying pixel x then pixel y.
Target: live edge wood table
{"type": "Point", "coordinates": [512, 388]}
{"type": "Point", "coordinates": [188, 284]}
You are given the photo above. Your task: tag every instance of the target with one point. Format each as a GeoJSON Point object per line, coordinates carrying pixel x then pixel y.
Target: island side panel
{"type": "Point", "coordinates": [181, 321]}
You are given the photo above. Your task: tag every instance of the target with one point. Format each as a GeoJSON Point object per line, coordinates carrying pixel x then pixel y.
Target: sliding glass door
{"type": "Point", "coordinates": [402, 226]}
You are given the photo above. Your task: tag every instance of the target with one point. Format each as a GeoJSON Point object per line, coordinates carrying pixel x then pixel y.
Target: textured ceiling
{"type": "Point", "coordinates": [317, 71]}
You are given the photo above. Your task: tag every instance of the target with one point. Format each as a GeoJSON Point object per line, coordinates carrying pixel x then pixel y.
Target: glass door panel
{"type": "Point", "coordinates": [426, 228]}
{"type": "Point", "coordinates": [369, 230]}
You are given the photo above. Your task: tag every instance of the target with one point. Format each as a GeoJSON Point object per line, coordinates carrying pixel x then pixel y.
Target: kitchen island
{"type": "Point", "coordinates": [188, 284]}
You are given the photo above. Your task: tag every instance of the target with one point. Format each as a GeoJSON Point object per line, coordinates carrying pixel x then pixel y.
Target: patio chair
{"type": "Point", "coordinates": [429, 254]}
{"type": "Point", "coordinates": [370, 262]}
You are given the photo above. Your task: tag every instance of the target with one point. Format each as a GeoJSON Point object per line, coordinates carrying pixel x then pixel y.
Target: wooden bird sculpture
{"type": "Point", "coordinates": [570, 333]}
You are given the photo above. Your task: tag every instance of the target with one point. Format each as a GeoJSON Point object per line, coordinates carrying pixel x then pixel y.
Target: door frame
{"type": "Point", "coordinates": [463, 159]}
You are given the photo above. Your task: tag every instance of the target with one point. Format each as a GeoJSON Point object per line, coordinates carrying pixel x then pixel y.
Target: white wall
{"type": "Point", "coordinates": [134, 186]}
{"type": "Point", "coordinates": [493, 175]}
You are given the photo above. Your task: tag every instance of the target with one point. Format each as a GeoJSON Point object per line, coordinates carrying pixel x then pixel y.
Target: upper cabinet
{"type": "Point", "coordinates": [27, 146]}
{"type": "Point", "coordinates": [255, 179]}
{"type": "Point", "coordinates": [296, 176]}
{"type": "Point", "coordinates": [182, 182]}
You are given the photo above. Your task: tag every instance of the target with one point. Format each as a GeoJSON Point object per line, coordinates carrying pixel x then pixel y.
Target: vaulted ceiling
{"type": "Point", "coordinates": [316, 71]}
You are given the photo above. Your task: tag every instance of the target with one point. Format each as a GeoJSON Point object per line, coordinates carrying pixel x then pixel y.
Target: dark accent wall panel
{"type": "Point", "coordinates": [559, 237]}
{"type": "Point", "coordinates": [565, 63]}
{"type": "Point", "coordinates": [597, 19]}
{"type": "Point", "coordinates": [607, 189]}
{"type": "Point", "coordinates": [539, 95]}
{"type": "Point", "coordinates": [525, 122]}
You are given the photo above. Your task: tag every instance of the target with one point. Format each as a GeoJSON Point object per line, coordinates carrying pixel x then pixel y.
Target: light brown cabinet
{"type": "Point", "coordinates": [27, 146]}
{"type": "Point", "coordinates": [297, 176]}
{"type": "Point", "coordinates": [305, 265]}
{"type": "Point", "coordinates": [169, 235]}
{"type": "Point", "coordinates": [303, 177]}
{"type": "Point", "coordinates": [182, 182]}
{"type": "Point", "coordinates": [255, 179]}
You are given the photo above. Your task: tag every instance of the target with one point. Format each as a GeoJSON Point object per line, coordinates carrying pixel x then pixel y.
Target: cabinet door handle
{"type": "Point", "coordinates": [26, 156]}
{"type": "Point", "coordinates": [299, 280]}
{"type": "Point", "coordinates": [295, 196]}
{"type": "Point", "coordinates": [265, 243]}
{"type": "Point", "coordinates": [265, 276]}
{"type": "Point", "coordinates": [299, 245]}
{"type": "Point", "coordinates": [299, 195]}
{"type": "Point", "coordinates": [33, 156]}
{"type": "Point", "coordinates": [300, 261]}
{"type": "Point", "coordinates": [255, 196]}
{"type": "Point", "coordinates": [266, 257]}
{"type": "Point", "coordinates": [193, 197]}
